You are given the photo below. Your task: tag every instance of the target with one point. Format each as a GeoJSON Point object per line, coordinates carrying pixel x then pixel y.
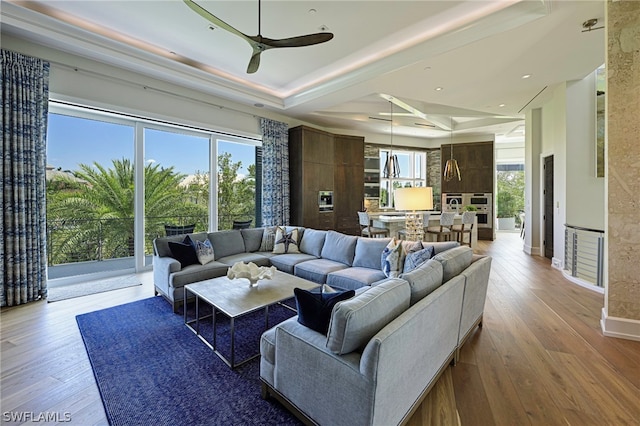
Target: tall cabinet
{"type": "Point", "coordinates": [322, 161]}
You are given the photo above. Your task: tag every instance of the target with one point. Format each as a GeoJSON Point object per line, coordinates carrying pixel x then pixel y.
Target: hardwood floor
{"type": "Point", "coordinates": [539, 359]}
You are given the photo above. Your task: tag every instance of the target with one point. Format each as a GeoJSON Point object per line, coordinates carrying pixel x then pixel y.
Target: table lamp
{"type": "Point", "coordinates": [412, 200]}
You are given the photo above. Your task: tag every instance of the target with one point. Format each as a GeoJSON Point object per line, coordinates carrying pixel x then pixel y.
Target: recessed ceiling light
{"type": "Point", "coordinates": [438, 89]}
{"type": "Point", "coordinates": [526, 76]}
{"type": "Point", "coordinates": [501, 105]}
{"type": "Point", "coordinates": [427, 68]}
{"type": "Point", "coordinates": [312, 11]}
{"type": "Point", "coordinates": [258, 105]}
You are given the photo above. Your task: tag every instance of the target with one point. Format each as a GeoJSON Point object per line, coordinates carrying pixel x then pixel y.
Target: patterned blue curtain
{"type": "Point", "coordinates": [25, 97]}
{"type": "Point", "coordinates": [275, 172]}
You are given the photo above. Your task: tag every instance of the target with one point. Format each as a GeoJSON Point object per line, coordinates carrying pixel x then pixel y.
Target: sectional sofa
{"type": "Point", "coordinates": [385, 347]}
{"type": "Point", "coordinates": [340, 260]}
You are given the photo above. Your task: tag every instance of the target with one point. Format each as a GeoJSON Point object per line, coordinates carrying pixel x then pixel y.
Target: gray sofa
{"type": "Point", "coordinates": [340, 260]}
{"type": "Point", "coordinates": [385, 348]}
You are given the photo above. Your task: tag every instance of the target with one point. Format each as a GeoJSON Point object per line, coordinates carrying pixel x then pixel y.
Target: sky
{"type": "Point", "coordinates": [73, 140]}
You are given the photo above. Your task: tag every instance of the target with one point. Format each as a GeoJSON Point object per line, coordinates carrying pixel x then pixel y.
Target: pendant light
{"type": "Point", "coordinates": [451, 169]}
{"type": "Point", "coordinates": [391, 165]}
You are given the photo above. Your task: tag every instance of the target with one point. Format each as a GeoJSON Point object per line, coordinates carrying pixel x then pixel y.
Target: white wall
{"type": "Point", "coordinates": [568, 123]}
{"type": "Point", "coordinates": [585, 192]}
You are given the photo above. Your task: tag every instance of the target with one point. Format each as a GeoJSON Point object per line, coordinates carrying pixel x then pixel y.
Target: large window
{"type": "Point", "coordinates": [89, 210]}
{"type": "Point", "coordinates": [104, 170]}
{"type": "Point", "coordinates": [413, 173]}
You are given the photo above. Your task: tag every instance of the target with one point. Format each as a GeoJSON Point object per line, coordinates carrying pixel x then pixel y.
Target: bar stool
{"type": "Point", "coordinates": [367, 229]}
{"type": "Point", "coordinates": [444, 229]}
{"type": "Point", "coordinates": [465, 227]}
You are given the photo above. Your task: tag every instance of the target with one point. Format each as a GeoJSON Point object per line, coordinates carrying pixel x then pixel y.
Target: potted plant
{"type": "Point", "coordinates": [469, 208]}
{"type": "Point", "coordinates": [506, 211]}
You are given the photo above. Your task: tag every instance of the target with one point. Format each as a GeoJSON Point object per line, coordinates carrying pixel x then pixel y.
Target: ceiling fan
{"type": "Point", "coordinates": [258, 43]}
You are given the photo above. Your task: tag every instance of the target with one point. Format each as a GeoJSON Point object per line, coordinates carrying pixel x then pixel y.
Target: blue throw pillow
{"type": "Point", "coordinates": [417, 258]}
{"type": "Point", "coordinates": [315, 307]}
{"type": "Point", "coordinates": [184, 252]}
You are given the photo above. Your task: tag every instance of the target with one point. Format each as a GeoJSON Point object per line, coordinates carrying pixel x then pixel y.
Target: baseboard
{"type": "Point", "coordinates": [620, 328]}
{"type": "Point", "coordinates": [582, 283]}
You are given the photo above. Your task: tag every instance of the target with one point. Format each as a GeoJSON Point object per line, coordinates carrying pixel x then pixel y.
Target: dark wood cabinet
{"type": "Point", "coordinates": [476, 163]}
{"type": "Point", "coordinates": [322, 161]}
{"type": "Point", "coordinates": [477, 168]}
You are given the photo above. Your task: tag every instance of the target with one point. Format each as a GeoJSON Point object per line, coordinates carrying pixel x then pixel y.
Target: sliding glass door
{"type": "Point", "coordinates": [90, 200]}
{"type": "Point", "coordinates": [115, 182]}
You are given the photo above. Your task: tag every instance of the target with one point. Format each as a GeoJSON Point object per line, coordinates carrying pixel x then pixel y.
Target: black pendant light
{"type": "Point", "coordinates": [391, 165]}
{"type": "Point", "coordinates": [451, 169]}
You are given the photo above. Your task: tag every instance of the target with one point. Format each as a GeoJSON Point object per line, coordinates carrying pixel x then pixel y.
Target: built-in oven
{"type": "Point", "coordinates": [452, 202]}
{"type": "Point", "coordinates": [483, 203]}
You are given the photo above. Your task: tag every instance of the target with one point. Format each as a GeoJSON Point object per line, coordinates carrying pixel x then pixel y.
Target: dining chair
{"type": "Point", "coordinates": [444, 229]}
{"type": "Point", "coordinates": [465, 227]}
{"type": "Point", "coordinates": [367, 229]}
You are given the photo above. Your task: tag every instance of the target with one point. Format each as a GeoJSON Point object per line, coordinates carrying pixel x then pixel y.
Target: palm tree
{"type": "Point", "coordinates": [107, 199]}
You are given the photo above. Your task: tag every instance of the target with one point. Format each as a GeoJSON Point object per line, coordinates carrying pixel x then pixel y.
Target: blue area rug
{"type": "Point", "coordinates": [152, 370]}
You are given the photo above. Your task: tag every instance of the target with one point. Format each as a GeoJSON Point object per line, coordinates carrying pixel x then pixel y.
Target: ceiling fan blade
{"type": "Point", "coordinates": [254, 63]}
{"type": "Point", "coordinates": [214, 19]}
{"type": "Point", "coordinates": [305, 40]}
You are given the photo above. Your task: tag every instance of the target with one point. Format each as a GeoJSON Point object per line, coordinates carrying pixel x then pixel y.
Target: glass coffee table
{"type": "Point", "coordinates": [235, 298]}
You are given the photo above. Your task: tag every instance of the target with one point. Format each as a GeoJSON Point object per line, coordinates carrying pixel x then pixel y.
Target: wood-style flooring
{"type": "Point", "coordinates": [539, 359]}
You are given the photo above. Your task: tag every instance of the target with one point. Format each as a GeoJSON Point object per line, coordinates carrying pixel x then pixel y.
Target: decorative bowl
{"type": "Point", "coordinates": [251, 272]}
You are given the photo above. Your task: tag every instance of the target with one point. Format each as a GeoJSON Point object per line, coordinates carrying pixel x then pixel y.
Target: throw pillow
{"type": "Point", "coordinates": [392, 258]}
{"type": "Point", "coordinates": [417, 258]}
{"type": "Point", "coordinates": [184, 252]}
{"type": "Point", "coordinates": [314, 308]}
{"type": "Point", "coordinates": [204, 251]}
{"type": "Point", "coordinates": [268, 238]}
{"type": "Point", "coordinates": [286, 242]}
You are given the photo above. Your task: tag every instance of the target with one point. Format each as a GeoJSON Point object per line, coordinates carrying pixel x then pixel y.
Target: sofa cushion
{"type": "Point", "coordinates": [226, 243]}
{"type": "Point", "coordinates": [256, 258]}
{"type": "Point", "coordinates": [193, 273]}
{"type": "Point", "coordinates": [286, 241]}
{"type": "Point", "coordinates": [252, 238]}
{"type": "Point", "coordinates": [454, 261]}
{"type": "Point", "coordinates": [314, 307]}
{"type": "Point", "coordinates": [424, 279]}
{"type": "Point", "coordinates": [417, 258]}
{"type": "Point", "coordinates": [268, 238]}
{"type": "Point", "coordinates": [204, 251]}
{"type": "Point", "coordinates": [339, 247]}
{"type": "Point", "coordinates": [161, 244]}
{"type": "Point", "coordinates": [316, 270]}
{"type": "Point", "coordinates": [312, 241]}
{"type": "Point", "coordinates": [355, 321]}
{"type": "Point", "coordinates": [184, 252]}
{"type": "Point", "coordinates": [286, 262]}
{"type": "Point", "coordinates": [354, 277]}
{"type": "Point", "coordinates": [392, 258]}
{"type": "Point", "coordinates": [368, 252]}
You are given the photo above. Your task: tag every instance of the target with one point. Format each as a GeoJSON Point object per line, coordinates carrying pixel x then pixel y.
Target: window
{"type": "Point", "coordinates": [413, 173]}
{"type": "Point", "coordinates": [105, 169]}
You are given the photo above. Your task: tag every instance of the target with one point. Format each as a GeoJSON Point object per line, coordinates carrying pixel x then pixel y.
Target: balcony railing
{"type": "Point", "coordinates": [95, 240]}
{"type": "Point", "coordinates": [584, 253]}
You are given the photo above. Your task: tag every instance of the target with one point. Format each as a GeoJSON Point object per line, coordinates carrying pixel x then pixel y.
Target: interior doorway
{"type": "Point", "coordinates": [548, 207]}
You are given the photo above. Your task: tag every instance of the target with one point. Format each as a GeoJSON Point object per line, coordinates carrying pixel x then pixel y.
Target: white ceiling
{"type": "Point", "coordinates": [476, 51]}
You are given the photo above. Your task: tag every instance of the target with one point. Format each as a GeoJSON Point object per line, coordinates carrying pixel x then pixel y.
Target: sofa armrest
{"type": "Point", "coordinates": [475, 293]}
{"type": "Point", "coordinates": [301, 358]}
{"type": "Point", "coordinates": [163, 266]}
